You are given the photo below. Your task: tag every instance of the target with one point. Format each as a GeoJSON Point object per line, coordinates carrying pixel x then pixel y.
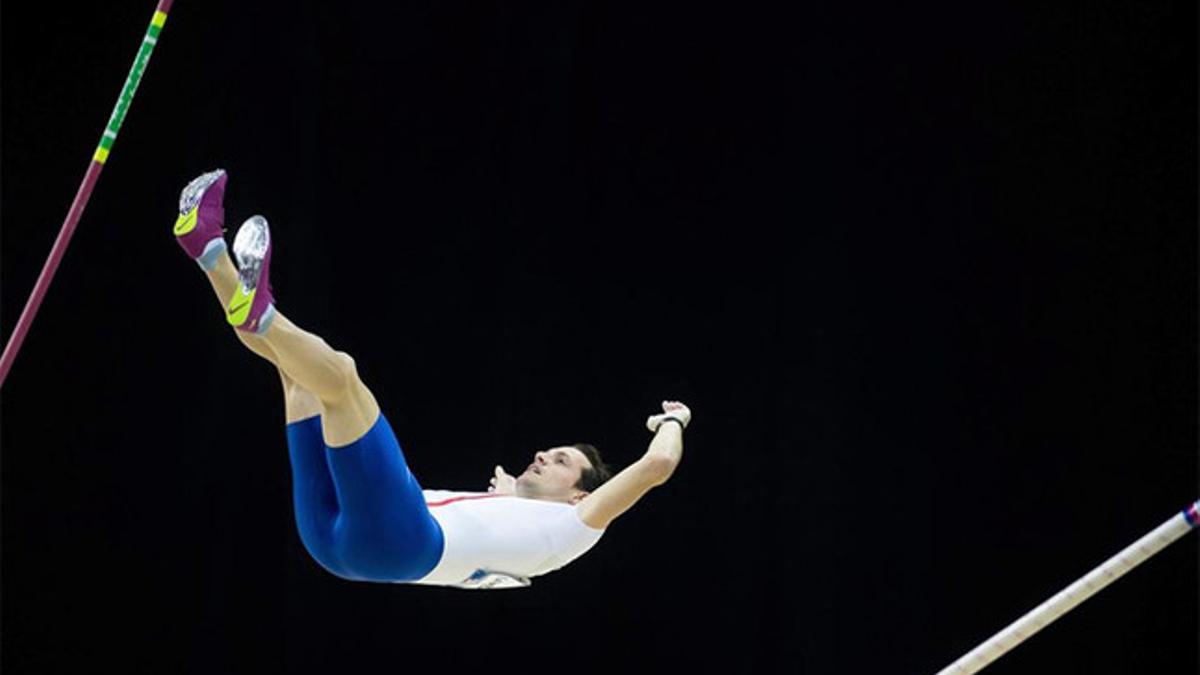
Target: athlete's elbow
{"type": "Point", "coordinates": [659, 468]}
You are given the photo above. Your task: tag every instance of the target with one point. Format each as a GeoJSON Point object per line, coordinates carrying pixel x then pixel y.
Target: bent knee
{"type": "Point", "coordinates": [347, 371]}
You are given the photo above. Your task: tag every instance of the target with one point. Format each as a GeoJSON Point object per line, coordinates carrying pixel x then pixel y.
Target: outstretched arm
{"type": "Point", "coordinates": [623, 490]}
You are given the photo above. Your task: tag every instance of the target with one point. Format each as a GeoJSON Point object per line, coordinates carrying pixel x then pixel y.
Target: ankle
{"type": "Point", "coordinates": [266, 320]}
{"type": "Point", "coordinates": [214, 251]}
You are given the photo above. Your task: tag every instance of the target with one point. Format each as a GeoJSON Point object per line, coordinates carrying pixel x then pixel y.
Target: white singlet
{"type": "Point", "coordinates": [501, 541]}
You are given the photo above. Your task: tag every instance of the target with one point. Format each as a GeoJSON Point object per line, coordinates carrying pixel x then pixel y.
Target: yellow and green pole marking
{"type": "Point", "coordinates": [85, 188]}
{"type": "Point", "coordinates": [131, 82]}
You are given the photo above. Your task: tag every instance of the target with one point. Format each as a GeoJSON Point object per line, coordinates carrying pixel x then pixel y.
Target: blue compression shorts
{"type": "Point", "coordinates": [359, 510]}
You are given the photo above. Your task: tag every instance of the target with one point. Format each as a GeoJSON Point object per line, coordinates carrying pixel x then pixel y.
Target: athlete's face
{"type": "Point", "coordinates": [553, 474]}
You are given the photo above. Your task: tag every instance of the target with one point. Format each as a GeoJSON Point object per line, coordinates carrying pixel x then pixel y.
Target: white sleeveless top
{"type": "Point", "coordinates": [501, 541]}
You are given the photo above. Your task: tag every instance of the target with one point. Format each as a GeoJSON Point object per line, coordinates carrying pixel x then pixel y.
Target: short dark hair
{"type": "Point", "coordinates": [597, 474]}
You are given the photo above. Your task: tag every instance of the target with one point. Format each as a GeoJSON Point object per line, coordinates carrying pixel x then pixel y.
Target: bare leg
{"type": "Point", "coordinates": [314, 375]}
{"type": "Point", "coordinates": [299, 403]}
{"type": "Point", "coordinates": [224, 279]}
{"type": "Point", "coordinates": [350, 410]}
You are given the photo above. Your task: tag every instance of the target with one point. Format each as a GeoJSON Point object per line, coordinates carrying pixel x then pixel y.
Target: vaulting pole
{"type": "Point", "coordinates": [85, 189]}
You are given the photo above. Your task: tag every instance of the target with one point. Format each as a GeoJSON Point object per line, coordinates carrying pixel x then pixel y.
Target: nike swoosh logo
{"type": "Point", "coordinates": [233, 310]}
{"type": "Point", "coordinates": [184, 223]}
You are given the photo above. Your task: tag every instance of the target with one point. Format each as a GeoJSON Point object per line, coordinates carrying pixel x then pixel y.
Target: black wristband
{"type": "Point", "coordinates": [682, 426]}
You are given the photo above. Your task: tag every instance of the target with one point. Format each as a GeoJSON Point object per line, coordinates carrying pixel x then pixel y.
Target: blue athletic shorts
{"type": "Point", "coordinates": [360, 511]}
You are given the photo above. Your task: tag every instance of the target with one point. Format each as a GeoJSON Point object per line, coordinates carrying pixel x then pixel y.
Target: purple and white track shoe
{"type": "Point", "coordinates": [252, 307]}
{"type": "Point", "coordinates": [199, 229]}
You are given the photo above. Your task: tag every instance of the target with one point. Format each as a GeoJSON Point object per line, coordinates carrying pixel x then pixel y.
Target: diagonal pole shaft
{"type": "Point", "coordinates": [85, 189]}
{"type": "Point", "coordinates": [1066, 600]}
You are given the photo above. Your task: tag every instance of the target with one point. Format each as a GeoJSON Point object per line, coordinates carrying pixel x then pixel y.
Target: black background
{"type": "Point", "coordinates": [926, 276]}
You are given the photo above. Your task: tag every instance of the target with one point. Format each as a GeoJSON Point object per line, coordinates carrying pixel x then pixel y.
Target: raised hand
{"type": "Point", "coordinates": [673, 409]}
{"type": "Point", "coordinates": [502, 483]}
